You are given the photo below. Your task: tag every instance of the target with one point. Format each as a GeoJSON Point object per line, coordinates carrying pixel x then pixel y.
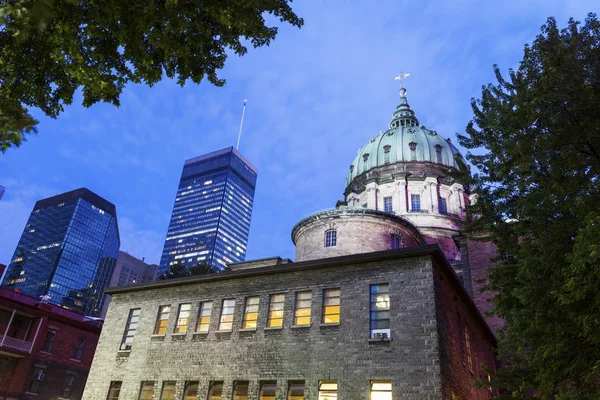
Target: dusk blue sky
{"type": "Point", "coordinates": [315, 96]}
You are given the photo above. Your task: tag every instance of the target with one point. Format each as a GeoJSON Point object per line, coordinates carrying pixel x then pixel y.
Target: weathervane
{"type": "Point", "coordinates": [401, 78]}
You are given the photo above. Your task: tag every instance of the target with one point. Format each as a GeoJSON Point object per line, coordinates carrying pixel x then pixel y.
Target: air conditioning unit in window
{"type": "Point", "coordinates": [125, 346]}
{"type": "Point", "coordinates": [380, 335]}
{"type": "Point", "coordinates": [39, 376]}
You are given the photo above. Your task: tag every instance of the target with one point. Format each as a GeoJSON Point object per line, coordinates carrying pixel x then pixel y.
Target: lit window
{"type": "Point", "coordinates": [331, 306]}
{"type": "Point", "coordinates": [114, 391]}
{"type": "Point", "coordinates": [183, 318]}
{"type": "Point", "coordinates": [387, 204]}
{"type": "Point", "coordinates": [330, 238]}
{"type": "Point", "coordinates": [276, 306]}
{"type": "Point", "coordinates": [296, 390]}
{"type": "Point", "coordinates": [240, 390]}
{"type": "Point", "coordinates": [168, 390]}
{"type": "Point", "coordinates": [78, 351]}
{"type": "Point", "coordinates": [68, 387]}
{"type": "Point", "coordinates": [190, 391]}
{"type": "Point", "coordinates": [396, 242]}
{"type": "Point", "coordinates": [413, 151]}
{"type": "Point", "coordinates": [443, 206]}
{"type": "Point", "coordinates": [50, 336]}
{"type": "Point", "coordinates": [328, 390]}
{"type": "Point", "coordinates": [38, 376]}
{"type": "Point", "coordinates": [381, 390]}
{"type": "Point", "coordinates": [215, 391]}
{"type": "Point", "coordinates": [380, 311]}
{"type": "Point", "coordinates": [226, 321]}
{"type": "Point", "coordinates": [130, 328]}
{"type": "Point", "coordinates": [146, 391]}
{"type": "Point", "coordinates": [162, 320]}
{"type": "Point", "coordinates": [302, 311]}
{"type": "Point", "coordinates": [415, 202]}
{"type": "Point", "coordinates": [268, 390]}
{"type": "Point", "coordinates": [250, 313]}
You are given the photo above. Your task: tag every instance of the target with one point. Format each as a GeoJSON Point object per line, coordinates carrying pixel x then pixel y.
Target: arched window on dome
{"type": "Point", "coordinates": [386, 153]}
{"type": "Point", "coordinates": [413, 151]}
{"type": "Point", "coordinates": [438, 153]}
{"type": "Point", "coordinates": [396, 242]}
{"type": "Point", "coordinates": [365, 157]}
{"type": "Point", "coordinates": [330, 238]}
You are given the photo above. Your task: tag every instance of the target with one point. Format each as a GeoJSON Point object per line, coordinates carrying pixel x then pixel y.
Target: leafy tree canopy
{"type": "Point", "coordinates": [180, 271]}
{"type": "Point", "coordinates": [50, 48]}
{"type": "Point", "coordinates": [538, 138]}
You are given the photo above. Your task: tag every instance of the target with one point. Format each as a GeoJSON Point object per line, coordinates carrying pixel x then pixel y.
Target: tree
{"type": "Point", "coordinates": [538, 140]}
{"type": "Point", "coordinates": [178, 270]}
{"type": "Point", "coordinates": [51, 48]}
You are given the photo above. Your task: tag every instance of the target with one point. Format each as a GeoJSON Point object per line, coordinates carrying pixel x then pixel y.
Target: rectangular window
{"type": "Point", "coordinates": [251, 313]}
{"type": "Point", "coordinates": [380, 311]}
{"type": "Point", "coordinates": [68, 387]}
{"type": "Point", "coordinates": [276, 306]}
{"type": "Point", "coordinates": [50, 336]}
{"type": "Point", "coordinates": [268, 390]}
{"type": "Point", "coordinates": [443, 206]}
{"type": "Point", "coordinates": [190, 391]}
{"type": "Point", "coordinates": [78, 350]}
{"type": "Point", "coordinates": [330, 238]}
{"type": "Point", "coordinates": [37, 378]}
{"type": "Point", "coordinates": [240, 390]}
{"type": "Point", "coordinates": [302, 310]}
{"type": "Point", "coordinates": [386, 157]}
{"type": "Point", "coordinates": [226, 321]}
{"type": "Point", "coordinates": [168, 390]}
{"type": "Point", "coordinates": [130, 329]}
{"type": "Point", "coordinates": [387, 204]}
{"type": "Point", "coordinates": [215, 391]}
{"type": "Point", "coordinates": [468, 349]}
{"type": "Point", "coordinates": [146, 391]}
{"type": "Point", "coordinates": [381, 390]}
{"type": "Point", "coordinates": [204, 313]}
{"type": "Point", "coordinates": [183, 318]}
{"type": "Point", "coordinates": [331, 306]}
{"type": "Point", "coordinates": [328, 390]}
{"type": "Point", "coordinates": [162, 320]}
{"type": "Point", "coordinates": [296, 390]}
{"type": "Point", "coordinates": [415, 202]}
{"type": "Point", "coordinates": [114, 391]}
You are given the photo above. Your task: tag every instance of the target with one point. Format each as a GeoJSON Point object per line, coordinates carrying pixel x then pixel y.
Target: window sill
{"type": "Point", "coordinates": [157, 335]}
{"type": "Point", "coordinates": [224, 331]}
{"type": "Point", "coordinates": [273, 328]}
{"type": "Point", "coordinates": [324, 325]}
{"type": "Point", "coordinates": [387, 340]}
{"type": "Point", "coordinates": [179, 334]}
{"type": "Point", "coordinates": [248, 330]}
{"type": "Point", "coordinates": [31, 393]}
{"type": "Point", "coordinates": [300, 326]}
{"type": "Point", "coordinates": [201, 333]}
{"type": "Point", "coordinates": [75, 360]}
{"type": "Point", "coordinates": [45, 352]}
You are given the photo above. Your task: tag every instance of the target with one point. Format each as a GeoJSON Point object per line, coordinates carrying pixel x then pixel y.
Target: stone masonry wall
{"type": "Point", "coordinates": [341, 352]}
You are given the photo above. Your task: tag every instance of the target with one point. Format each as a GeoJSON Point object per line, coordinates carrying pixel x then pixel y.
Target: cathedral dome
{"type": "Point", "coordinates": [404, 142]}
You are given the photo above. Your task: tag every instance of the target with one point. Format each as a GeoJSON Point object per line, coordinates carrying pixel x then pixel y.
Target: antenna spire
{"type": "Point", "coordinates": [237, 146]}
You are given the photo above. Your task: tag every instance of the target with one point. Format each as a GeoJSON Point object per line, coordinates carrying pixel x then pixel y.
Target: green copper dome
{"type": "Point", "coordinates": [404, 142]}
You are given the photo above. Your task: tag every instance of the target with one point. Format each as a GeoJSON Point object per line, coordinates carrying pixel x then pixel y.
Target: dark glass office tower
{"type": "Point", "coordinates": [68, 251]}
{"type": "Point", "coordinates": [211, 217]}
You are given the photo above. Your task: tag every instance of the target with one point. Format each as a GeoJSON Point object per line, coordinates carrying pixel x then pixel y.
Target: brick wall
{"type": "Point", "coordinates": [343, 353]}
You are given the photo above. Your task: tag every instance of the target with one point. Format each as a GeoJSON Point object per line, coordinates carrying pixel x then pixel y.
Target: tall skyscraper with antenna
{"type": "Point", "coordinates": [210, 221]}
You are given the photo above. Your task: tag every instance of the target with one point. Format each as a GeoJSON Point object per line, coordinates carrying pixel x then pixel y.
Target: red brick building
{"type": "Point", "coordinates": [45, 351]}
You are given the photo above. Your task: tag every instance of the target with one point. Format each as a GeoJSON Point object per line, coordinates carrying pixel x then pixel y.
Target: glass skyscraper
{"type": "Point", "coordinates": [211, 216]}
{"type": "Point", "coordinates": [68, 251]}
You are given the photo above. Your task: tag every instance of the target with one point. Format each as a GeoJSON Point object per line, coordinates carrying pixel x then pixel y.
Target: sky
{"type": "Point", "coordinates": [315, 96]}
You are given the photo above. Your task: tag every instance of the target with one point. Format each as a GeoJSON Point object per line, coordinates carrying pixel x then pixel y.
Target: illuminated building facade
{"type": "Point", "coordinates": [67, 251]}
{"type": "Point", "coordinates": [211, 216]}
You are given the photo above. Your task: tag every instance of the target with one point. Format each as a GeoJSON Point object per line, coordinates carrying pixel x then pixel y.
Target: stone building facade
{"type": "Point", "coordinates": [403, 325]}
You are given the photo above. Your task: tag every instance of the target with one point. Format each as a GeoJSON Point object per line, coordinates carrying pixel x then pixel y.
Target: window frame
{"type": "Point", "coordinates": [413, 197]}
{"type": "Point", "coordinates": [78, 350]}
{"type": "Point", "coordinates": [298, 302]}
{"type": "Point", "coordinates": [211, 387]}
{"type": "Point", "coordinates": [272, 310]}
{"type": "Point", "coordinates": [68, 385]}
{"type": "Point", "coordinates": [291, 389]}
{"type": "Point", "coordinates": [223, 316]}
{"type": "Point", "coordinates": [172, 387]}
{"type": "Point", "coordinates": [330, 238]}
{"type": "Point", "coordinates": [249, 311]}
{"type": "Point", "coordinates": [267, 384]}
{"type": "Point", "coordinates": [186, 390]}
{"type": "Point", "coordinates": [158, 327]}
{"type": "Point", "coordinates": [323, 393]}
{"type": "Point", "coordinates": [397, 242]}
{"type": "Point", "coordinates": [127, 333]}
{"type": "Point", "coordinates": [237, 396]}
{"type": "Point", "coordinates": [114, 385]}
{"type": "Point", "coordinates": [201, 316]}
{"type": "Point", "coordinates": [443, 209]}
{"type": "Point", "coordinates": [179, 327]}
{"type": "Point", "coordinates": [324, 309]}
{"type": "Point", "coordinates": [372, 390]}
{"type": "Point", "coordinates": [375, 311]}
{"type": "Point", "coordinates": [49, 342]}
{"type": "Point", "coordinates": [144, 390]}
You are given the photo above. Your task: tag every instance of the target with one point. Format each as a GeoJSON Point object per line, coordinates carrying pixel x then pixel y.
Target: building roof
{"type": "Point", "coordinates": [221, 152]}
{"type": "Point", "coordinates": [403, 134]}
{"type": "Point", "coordinates": [432, 250]}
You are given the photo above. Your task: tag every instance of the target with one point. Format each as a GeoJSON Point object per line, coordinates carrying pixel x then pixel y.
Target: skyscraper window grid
{"type": "Point", "coordinates": [211, 216]}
